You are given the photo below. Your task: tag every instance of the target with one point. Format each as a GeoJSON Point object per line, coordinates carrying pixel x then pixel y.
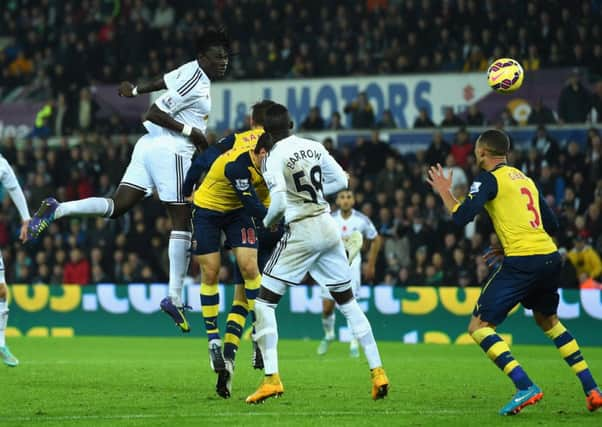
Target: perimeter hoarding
{"type": "Point", "coordinates": [411, 315]}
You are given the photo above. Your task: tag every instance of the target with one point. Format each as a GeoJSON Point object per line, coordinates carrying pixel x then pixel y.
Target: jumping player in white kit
{"type": "Point", "coordinates": [11, 185]}
{"type": "Point", "coordinates": [354, 227]}
{"type": "Point", "coordinates": [298, 173]}
{"type": "Point", "coordinates": [176, 124]}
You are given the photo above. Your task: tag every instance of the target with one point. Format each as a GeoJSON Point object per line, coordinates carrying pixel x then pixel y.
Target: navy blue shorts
{"type": "Point", "coordinates": [530, 280]}
{"type": "Point", "coordinates": [267, 242]}
{"type": "Point", "coordinates": [208, 225]}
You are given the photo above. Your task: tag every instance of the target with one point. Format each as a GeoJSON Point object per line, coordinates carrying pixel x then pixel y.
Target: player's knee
{"type": "Point", "coordinates": [342, 297]}
{"type": "Point", "coordinates": [545, 321]}
{"type": "Point", "coordinates": [3, 291]}
{"type": "Point", "coordinates": [209, 273]}
{"type": "Point", "coordinates": [249, 270]}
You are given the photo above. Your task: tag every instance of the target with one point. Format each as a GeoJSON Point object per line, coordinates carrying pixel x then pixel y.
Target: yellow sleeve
{"type": "Point", "coordinates": [594, 262]}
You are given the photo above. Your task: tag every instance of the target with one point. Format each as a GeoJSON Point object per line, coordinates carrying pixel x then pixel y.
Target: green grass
{"type": "Point", "coordinates": [162, 381]}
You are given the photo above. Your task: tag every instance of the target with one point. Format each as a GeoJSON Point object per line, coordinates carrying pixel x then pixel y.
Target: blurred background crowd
{"type": "Point", "coordinates": [51, 49]}
{"type": "Point", "coordinates": [422, 246]}
{"type": "Point", "coordinates": [58, 49]}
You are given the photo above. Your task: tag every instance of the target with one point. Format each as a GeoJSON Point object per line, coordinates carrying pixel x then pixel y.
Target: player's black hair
{"type": "Point", "coordinates": [277, 120]}
{"type": "Point", "coordinates": [265, 142]}
{"type": "Point", "coordinates": [259, 109]}
{"type": "Point", "coordinates": [495, 141]}
{"type": "Point", "coordinates": [214, 37]}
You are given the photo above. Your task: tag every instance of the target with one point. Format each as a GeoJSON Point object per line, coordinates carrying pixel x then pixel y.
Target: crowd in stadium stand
{"type": "Point", "coordinates": [62, 47]}
{"type": "Point", "coordinates": [422, 246]}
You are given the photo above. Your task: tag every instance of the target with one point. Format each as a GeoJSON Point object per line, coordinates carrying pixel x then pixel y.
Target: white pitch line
{"type": "Point", "coordinates": [46, 418]}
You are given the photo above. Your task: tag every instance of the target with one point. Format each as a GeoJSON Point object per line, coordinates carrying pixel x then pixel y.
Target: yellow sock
{"type": "Point", "coordinates": [234, 327]}
{"type": "Point", "coordinates": [210, 309]}
{"type": "Point", "coordinates": [251, 290]}
{"type": "Point", "coordinates": [498, 351]}
{"type": "Point", "coordinates": [571, 353]}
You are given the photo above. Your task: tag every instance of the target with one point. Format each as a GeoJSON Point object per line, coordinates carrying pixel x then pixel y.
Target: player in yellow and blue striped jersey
{"type": "Point", "coordinates": [529, 270]}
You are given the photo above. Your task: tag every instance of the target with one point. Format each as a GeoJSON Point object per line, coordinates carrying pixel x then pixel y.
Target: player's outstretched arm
{"type": "Point", "coordinates": [130, 90]}
{"type": "Point", "coordinates": [375, 245]}
{"type": "Point", "coordinates": [10, 182]}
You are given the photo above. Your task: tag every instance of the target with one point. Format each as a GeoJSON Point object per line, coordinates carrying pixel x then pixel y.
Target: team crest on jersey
{"type": "Point", "coordinates": [475, 187]}
{"type": "Point", "coordinates": [242, 184]}
{"type": "Point", "coordinates": [169, 102]}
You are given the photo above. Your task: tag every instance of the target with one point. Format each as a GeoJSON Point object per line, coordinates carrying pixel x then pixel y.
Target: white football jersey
{"type": "Point", "coordinates": [357, 221]}
{"type": "Point", "coordinates": [7, 175]}
{"type": "Point", "coordinates": [187, 100]}
{"type": "Point", "coordinates": [299, 167]}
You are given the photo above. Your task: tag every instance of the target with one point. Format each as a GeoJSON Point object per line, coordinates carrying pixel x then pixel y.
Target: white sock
{"type": "Point", "coordinates": [3, 321]}
{"type": "Point", "coordinates": [328, 325]}
{"type": "Point", "coordinates": [266, 335]}
{"type": "Point", "coordinates": [358, 322]}
{"type": "Point", "coordinates": [93, 206]}
{"type": "Point", "coordinates": [179, 258]}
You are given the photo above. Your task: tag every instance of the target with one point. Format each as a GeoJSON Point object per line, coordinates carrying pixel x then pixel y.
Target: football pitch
{"type": "Point", "coordinates": [167, 381]}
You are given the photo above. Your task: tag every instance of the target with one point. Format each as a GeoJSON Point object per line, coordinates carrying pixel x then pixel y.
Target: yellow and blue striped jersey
{"type": "Point", "coordinates": [234, 182]}
{"type": "Point", "coordinates": [521, 218]}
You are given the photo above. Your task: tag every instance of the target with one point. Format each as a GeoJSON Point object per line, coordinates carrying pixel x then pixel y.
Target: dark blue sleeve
{"type": "Point", "coordinates": [548, 218]}
{"type": "Point", "coordinates": [240, 178]}
{"type": "Point", "coordinates": [203, 162]}
{"type": "Point", "coordinates": [482, 189]}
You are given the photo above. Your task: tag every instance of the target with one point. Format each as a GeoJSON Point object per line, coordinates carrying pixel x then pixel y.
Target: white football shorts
{"type": "Point", "coordinates": [155, 165]}
{"type": "Point", "coordinates": [312, 245]}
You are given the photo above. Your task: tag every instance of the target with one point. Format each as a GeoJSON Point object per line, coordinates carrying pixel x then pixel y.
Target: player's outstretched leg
{"type": "Point", "coordinates": [499, 352]}
{"type": "Point", "coordinates": [362, 331]}
{"type": "Point", "coordinates": [179, 260]}
{"type": "Point", "coordinates": [328, 322]}
{"type": "Point", "coordinates": [266, 335]}
{"type": "Point", "coordinates": [43, 217]}
{"type": "Point", "coordinates": [571, 353]}
{"type": "Point", "coordinates": [5, 354]}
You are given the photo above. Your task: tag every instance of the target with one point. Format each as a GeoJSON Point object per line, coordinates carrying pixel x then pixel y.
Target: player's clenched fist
{"type": "Point", "coordinates": [126, 89]}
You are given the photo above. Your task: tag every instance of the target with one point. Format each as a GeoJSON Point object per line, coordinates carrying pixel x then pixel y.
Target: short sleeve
{"type": "Point", "coordinates": [7, 176]}
{"type": "Point", "coordinates": [273, 174]}
{"type": "Point", "coordinates": [369, 230]}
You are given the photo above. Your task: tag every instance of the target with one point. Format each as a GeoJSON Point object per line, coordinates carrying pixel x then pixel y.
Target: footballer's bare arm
{"type": "Point", "coordinates": [130, 90]}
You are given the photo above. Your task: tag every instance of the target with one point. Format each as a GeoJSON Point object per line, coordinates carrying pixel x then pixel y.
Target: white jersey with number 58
{"type": "Point", "coordinates": [303, 169]}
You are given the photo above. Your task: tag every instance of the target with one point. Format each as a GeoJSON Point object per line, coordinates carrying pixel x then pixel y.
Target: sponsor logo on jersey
{"type": "Point", "coordinates": [242, 184]}
{"type": "Point", "coordinates": [475, 187]}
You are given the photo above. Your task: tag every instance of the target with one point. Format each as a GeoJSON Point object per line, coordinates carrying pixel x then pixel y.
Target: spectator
{"type": "Point", "coordinates": [575, 101]}
{"type": "Point", "coordinates": [568, 274]}
{"type": "Point", "coordinates": [86, 110]}
{"type": "Point", "coordinates": [313, 121]}
{"type": "Point", "coordinates": [450, 119]}
{"type": "Point", "coordinates": [476, 61]}
{"type": "Point", "coordinates": [541, 115]}
{"type": "Point", "coordinates": [423, 120]}
{"type": "Point", "coordinates": [461, 148]}
{"type": "Point", "coordinates": [438, 150]}
{"type": "Point", "coordinates": [390, 178]}
{"type": "Point", "coordinates": [77, 269]}
{"type": "Point", "coordinates": [387, 121]}
{"type": "Point", "coordinates": [585, 260]}
{"type": "Point", "coordinates": [545, 144]}
{"type": "Point", "coordinates": [335, 121]}
{"type": "Point", "coordinates": [362, 114]}
{"type": "Point", "coordinates": [474, 117]}
{"type": "Point", "coordinates": [506, 119]}
{"type": "Point", "coordinates": [597, 99]}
